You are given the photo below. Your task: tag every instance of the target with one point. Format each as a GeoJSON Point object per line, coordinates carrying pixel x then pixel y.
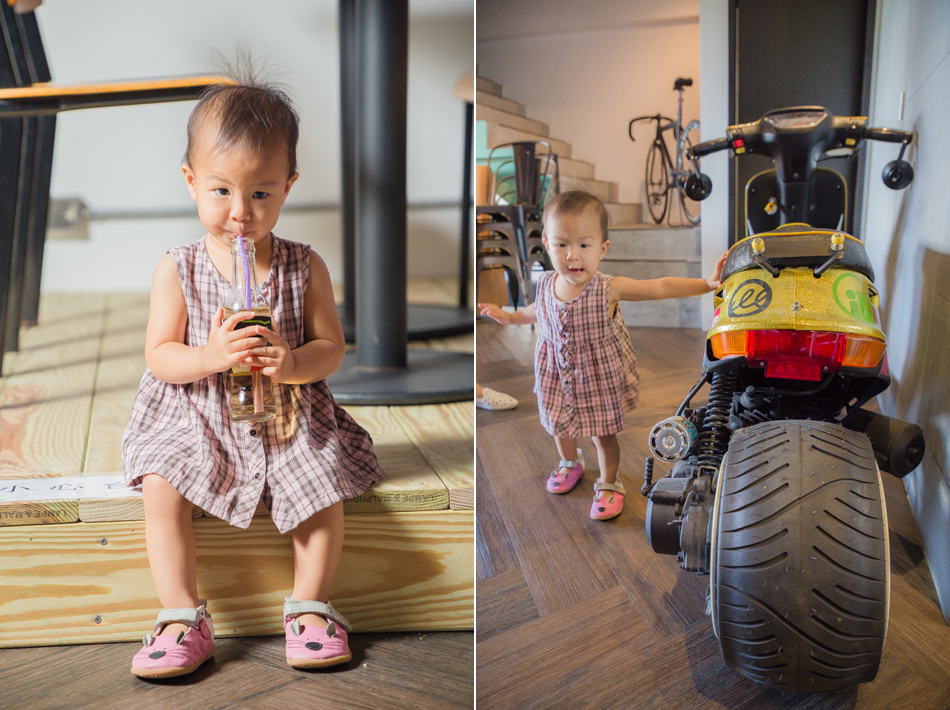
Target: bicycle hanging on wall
{"type": "Point", "coordinates": [664, 175]}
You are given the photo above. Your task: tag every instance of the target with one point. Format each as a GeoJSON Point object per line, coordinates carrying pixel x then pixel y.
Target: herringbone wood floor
{"type": "Point", "coordinates": [573, 613]}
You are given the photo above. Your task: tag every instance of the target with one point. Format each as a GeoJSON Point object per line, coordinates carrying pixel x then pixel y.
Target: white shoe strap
{"type": "Point", "coordinates": [294, 608]}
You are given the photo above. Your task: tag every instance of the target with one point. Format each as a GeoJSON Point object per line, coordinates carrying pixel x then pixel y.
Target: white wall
{"type": "Point", "coordinates": [908, 239]}
{"type": "Point", "coordinates": [588, 83]}
{"type": "Point", "coordinates": [127, 159]}
{"type": "Point", "coordinates": [714, 101]}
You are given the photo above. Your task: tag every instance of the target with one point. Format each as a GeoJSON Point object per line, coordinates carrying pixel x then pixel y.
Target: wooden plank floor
{"type": "Point", "coordinates": [431, 671]}
{"type": "Point", "coordinates": [59, 400]}
{"type": "Point", "coordinates": [574, 613]}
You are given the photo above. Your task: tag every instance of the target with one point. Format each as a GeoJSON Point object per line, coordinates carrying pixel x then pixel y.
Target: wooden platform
{"type": "Point", "coordinates": [74, 569]}
{"type": "Point", "coordinates": [579, 613]}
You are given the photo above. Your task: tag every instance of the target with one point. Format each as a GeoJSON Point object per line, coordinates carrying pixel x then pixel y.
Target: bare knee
{"type": "Point", "coordinates": [161, 498]}
{"type": "Point", "coordinates": [606, 443]}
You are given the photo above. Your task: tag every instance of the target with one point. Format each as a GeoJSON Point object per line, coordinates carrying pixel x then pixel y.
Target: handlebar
{"type": "Point", "coordinates": [796, 137]}
{"type": "Point", "coordinates": [713, 146]}
{"type": "Point", "coordinates": [659, 118]}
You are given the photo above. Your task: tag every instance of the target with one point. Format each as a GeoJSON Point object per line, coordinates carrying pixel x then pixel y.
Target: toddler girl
{"type": "Point", "coordinates": [585, 368]}
{"type": "Point", "coordinates": [181, 444]}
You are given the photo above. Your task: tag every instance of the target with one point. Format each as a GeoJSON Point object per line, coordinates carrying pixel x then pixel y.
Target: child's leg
{"type": "Point", "coordinates": [318, 543]}
{"type": "Point", "coordinates": [567, 448]}
{"type": "Point", "coordinates": [608, 456]}
{"type": "Point", "coordinates": [170, 542]}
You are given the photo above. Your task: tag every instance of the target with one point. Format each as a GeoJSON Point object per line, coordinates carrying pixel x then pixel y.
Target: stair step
{"type": "Point", "coordinates": [498, 134]}
{"type": "Point", "coordinates": [487, 85]}
{"type": "Point", "coordinates": [655, 243]}
{"type": "Point", "coordinates": [622, 215]}
{"type": "Point", "coordinates": [494, 115]}
{"type": "Point", "coordinates": [570, 167]}
{"type": "Point", "coordinates": [602, 190]}
{"type": "Point", "coordinates": [669, 313]}
{"type": "Point", "coordinates": [483, 98]}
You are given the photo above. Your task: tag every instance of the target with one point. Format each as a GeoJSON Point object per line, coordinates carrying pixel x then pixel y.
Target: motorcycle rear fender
{"type": "Point", "coordinates": [839, 301]}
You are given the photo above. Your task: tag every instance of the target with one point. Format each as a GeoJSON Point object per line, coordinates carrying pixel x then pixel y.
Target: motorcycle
{"type": "Point", "coordinates": [775, 489]}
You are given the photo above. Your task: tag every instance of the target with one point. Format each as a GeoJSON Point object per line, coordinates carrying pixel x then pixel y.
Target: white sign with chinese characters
{"type": "Point", "coordinates": [31, 490]}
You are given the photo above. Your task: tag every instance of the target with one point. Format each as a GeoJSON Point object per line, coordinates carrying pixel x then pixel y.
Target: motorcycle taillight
{"type": "Point", "coordinates": [799, 354]}
{"type": "Point", "coordinates": [796, 354]}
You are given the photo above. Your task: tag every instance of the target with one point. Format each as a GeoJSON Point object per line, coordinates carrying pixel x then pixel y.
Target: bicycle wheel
{"type": "Point", "coordinates": [657, 183]}
{"type": "Point", "coordinates": [690, 207]}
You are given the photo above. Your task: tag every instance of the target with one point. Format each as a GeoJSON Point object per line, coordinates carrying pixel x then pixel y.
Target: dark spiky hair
{"type": "Point", "coordinates": [576, 202]}
{"type": "Point", "coordinates": [248, 112]}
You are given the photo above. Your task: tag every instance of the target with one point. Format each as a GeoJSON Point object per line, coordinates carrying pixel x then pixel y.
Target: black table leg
{"type": "Point", "coordinates": [424, 321]}
{"type": "Point", "coordinates": [382, 370]}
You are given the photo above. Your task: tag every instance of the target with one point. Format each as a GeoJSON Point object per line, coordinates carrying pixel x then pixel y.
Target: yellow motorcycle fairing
{"type": "Point", "coordinates": [839, 301]}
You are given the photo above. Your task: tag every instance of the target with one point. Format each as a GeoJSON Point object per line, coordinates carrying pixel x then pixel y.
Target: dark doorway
{"type": "Point", "coordinates": [797, 53]}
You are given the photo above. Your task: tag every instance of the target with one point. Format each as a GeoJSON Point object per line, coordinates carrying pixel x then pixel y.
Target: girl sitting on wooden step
{"type": "Point", "coordinates": [585, 368]}
{"type": "Point", "coordinates": [181, 444]}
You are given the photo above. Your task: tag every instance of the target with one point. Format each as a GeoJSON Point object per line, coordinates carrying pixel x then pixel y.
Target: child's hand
{"type": "Point", "coordinates": [272, 354]}
{"type": "Point", "coordinates": [713, 281]}
{"type": "Point", "coordinates": [226, 346]}
{"type": "Point", "coordinates": [495, 313]}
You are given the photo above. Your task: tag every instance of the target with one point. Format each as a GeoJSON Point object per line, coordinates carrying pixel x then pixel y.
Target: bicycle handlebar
{"type": "Point", "coordinates": [659, 118]}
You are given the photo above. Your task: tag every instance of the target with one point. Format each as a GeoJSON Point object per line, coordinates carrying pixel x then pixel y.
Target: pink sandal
{"type": "Point", "coordinates": [564, 482]}
{"type": "Point", "coordinates": [312, 646]}
{"type": "Point", "coordinates": [169, 655]}
{"type": "Point", "coordinates": [608, 500]}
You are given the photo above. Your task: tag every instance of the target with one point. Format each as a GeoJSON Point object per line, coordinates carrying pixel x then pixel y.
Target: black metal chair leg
{"type": "Point", "coordinates": [24, 200]}
{"type": "Point", "coordinates": [39, 213]}
{"type": "Point", "coordinates": [11, 135]}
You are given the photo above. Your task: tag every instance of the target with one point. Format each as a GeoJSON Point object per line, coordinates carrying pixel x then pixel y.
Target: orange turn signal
{"type": "Point", "coordinates": [862, 351]}
{"type": "Point", "coordinates": [729, 343]}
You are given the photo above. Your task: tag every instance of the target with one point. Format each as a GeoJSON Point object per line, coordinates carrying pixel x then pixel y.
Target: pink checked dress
{"type": "Point", "coordinates": [584, 366]}
{"type": "Point", "coordinates": [311, 456]}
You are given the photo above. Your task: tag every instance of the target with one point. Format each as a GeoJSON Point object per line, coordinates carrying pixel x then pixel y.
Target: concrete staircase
{"type": "Point", "coordinates": [506, 122]}
{"type": "Point", "coordinates": [637, 250]}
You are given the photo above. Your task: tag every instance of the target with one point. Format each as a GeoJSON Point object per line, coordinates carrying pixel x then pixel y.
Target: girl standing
{"type": "Point", "coordinates": [585, 367]}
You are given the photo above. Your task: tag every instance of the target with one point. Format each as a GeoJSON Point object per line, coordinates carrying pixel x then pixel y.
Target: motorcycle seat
{"type": "Point", "coordinates": [794, 245]}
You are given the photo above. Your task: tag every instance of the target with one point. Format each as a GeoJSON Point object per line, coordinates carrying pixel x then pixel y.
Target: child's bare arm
{"type": "Point", "coordinates": [625, 289]}
{"type": "Point", "coordinates": [167, 356]}
{"type": "Point", "coordinates": [322, 353]}
{"type": "Point", "coordinates": [523, 316]}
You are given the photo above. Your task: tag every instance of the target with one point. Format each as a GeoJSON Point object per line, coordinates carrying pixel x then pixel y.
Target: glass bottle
{"type": "Point", "coordinates": [251, 393]}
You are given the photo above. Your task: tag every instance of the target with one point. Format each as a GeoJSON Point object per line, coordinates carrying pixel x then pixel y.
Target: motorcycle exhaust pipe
{"type": "Point", "coordinates": [898, 445]}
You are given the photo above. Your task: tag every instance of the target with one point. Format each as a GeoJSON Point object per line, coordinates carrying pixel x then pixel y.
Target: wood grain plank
{"type": "Point", "coordinates": [426, 671]}
{"type": "Point", "coordinates": [600, 631]}
{"type": "Point", "coordinates": [494, 552]}
{"type": "Point", "coordinates": [120, 368]}
{"type": "Point", "coordinates": [47, 397]}
{"type": "Point", "coordinates": [39, 513]}
{"type": "Point", "coordinates": [399, 571]}
{"type": "Point", "coordinates": [444, 433]}
{"type": "Point", "coordinates": [503, 602]}
{"type": "Point", "coordinates": [409, 483]}
{"type": "Point", "coordinates": [543, 527]}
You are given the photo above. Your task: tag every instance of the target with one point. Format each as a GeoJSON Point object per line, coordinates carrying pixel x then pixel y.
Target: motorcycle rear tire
{"type": "Point", "coordinates": [800, 585]}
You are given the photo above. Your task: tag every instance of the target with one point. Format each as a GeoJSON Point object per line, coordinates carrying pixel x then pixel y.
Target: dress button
{"type": "Point", "coordinates": [253, 432]}
{"type": "Point", "coordinates": [257, 476]}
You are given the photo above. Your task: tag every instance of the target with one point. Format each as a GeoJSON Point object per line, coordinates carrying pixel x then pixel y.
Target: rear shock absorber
{"type": "Point", "coordinates": [713, 440]}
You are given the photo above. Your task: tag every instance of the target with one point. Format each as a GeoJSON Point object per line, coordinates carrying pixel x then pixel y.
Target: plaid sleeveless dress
{"type": "Point", "coordinates": [585, 371]}
{"type": "Point", "coordinates": [310, 456]}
